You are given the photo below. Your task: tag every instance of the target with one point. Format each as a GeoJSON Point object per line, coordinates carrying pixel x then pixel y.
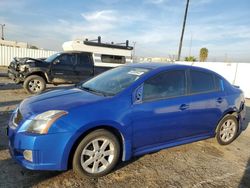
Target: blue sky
{"type": "Point", "coordinates": [223, 26]}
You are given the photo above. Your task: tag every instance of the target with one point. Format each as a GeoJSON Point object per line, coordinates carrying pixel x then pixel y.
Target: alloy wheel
{"type": "Point", "coordinates": [228, 130]}
{"type": "Point", "coordinates": [97, 155]}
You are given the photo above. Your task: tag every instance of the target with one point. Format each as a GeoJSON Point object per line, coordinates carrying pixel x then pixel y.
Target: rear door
{"type": "Point", "coordinates": [84, 68]}
{"type": "Point", "coordinates": [207, 101]}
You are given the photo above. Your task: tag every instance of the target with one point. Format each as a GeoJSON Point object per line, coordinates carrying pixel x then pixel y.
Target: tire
{"type": "Point", "coordinates": [34, 84]}
{"type": "Point", "coordinates": [97, 148]}
{"type": "Point", "coordinates": [227, 130]}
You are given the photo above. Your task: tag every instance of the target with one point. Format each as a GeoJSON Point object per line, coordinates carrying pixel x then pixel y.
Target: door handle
{"type": "Point", "coordinates": [59, 73]}
{"type": "Point", "coordinates": [219, 100]}
{"type": "Point", "coordinates": [184, 106]}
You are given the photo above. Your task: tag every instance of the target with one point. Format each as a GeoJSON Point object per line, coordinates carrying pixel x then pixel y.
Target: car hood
{"type": "Point", "coordinates": [57, 100]}
{"type": "Point", "coordinates": [27, 60]}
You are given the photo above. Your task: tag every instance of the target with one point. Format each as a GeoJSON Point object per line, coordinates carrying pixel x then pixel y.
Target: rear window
{"type": "Point", "coordinates": [201, 82]}
{"type": "Point", "coordinates": [218, 83]}
{"type": "Point", "coordinates": [84, 59]}
{"type": "Point", "coordinates": [113, 59]}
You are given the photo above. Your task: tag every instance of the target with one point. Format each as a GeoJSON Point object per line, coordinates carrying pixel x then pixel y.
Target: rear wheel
{"type": "Point", "coordinates": [227, 130]}
{"type": "Point", "coordinates": [97, 154]}
{"type": "Point", "coordinates": [34, 84]}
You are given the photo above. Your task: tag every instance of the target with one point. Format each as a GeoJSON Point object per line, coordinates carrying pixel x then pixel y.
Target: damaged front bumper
{"type": "Point", "coordinates": [14, 75]}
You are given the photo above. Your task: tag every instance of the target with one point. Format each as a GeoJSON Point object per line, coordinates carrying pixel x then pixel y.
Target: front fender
{"type": "Point", "coordinates": [36, 71]}
{"type": "Point", "coordinates": [125, 133]}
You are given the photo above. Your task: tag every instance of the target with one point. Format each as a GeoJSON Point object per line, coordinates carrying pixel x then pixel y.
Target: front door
{"type": "Point", "coordinates": [163, 114]}
{"type": "Point", "coordinates": [63, 69]}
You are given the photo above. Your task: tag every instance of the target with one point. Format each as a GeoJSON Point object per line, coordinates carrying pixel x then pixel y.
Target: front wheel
{"type": "Point", "coordinates": [227, 130]}
{"type": "Point", "coordinates": [97, 154]}
{"type": "Point", "coordinates": [34, 84]}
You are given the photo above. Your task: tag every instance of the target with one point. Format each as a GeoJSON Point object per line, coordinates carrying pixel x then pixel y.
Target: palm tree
{"type": "Point", "coordinates": [203, 54]}
{"type": "Point", "coordinates": [190, 58]}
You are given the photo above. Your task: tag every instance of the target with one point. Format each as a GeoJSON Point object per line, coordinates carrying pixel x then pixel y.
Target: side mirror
{"type": "Point", "coordinates": [137, 95]}
{"type": "Point", "coordinates": [56, 61]}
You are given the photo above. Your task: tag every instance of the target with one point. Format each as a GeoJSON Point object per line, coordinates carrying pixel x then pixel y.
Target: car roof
{"type": "Point", "coordinates": [151, 65]}
{"type": "Point", "coordinates": [70, 52]}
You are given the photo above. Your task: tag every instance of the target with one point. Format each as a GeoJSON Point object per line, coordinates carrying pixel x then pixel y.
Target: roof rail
{"type": "Point", "coordinates": [98, 42]}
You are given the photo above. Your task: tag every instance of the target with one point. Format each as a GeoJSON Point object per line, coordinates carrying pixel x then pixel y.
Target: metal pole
{"type": "Point", "coordinates": [2, 25]}
{"type": "Point", "coordinates": [134, 43]}
{"type": "Point", "coordinates": [191, 42]}
{"type": "Point", "coordinates": [183, 30]}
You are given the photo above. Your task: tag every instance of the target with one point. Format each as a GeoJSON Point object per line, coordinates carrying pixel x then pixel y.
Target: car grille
{"type": "Point", "coordinates": [17, 118]}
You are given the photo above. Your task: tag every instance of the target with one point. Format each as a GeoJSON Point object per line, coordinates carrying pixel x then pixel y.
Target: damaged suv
{"type": "Point", "coordinates": [60, 68]}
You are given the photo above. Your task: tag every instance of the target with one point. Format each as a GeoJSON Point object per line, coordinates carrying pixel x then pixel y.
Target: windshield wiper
{"type": "Point", "coordinates": [96, 91]}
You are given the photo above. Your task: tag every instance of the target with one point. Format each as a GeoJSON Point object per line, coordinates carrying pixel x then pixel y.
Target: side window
{"type": "Point", "coordinates": [165, 85]}
{"type": "Point", "coordinates": [201, 82]}
{"type": "Point", "coordinates": [67, 59]}
{"type": "Point", "coordinates": [113, 59]}
{"type": "Point", "coordinates": [218, 83]}
{"type": "Point", "coordinates": [84, 59]}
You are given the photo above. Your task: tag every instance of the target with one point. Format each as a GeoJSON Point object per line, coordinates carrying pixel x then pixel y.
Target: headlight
{"type": "Point", "coordinates": [42, 122]}
{"type": "Point", "coordinates": [22, 68]}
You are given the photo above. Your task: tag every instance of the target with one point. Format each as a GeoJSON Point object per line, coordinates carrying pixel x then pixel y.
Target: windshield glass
{"type": "Point", "coordinates": [114, 81]}
{"type": "Point", "coordinates": [51, 58]}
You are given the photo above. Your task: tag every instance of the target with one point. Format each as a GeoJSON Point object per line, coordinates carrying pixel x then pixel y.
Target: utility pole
{"type": "Point", "coordinates": [183, 30]}
{"type": "Point", "coordinates": [2, 25]}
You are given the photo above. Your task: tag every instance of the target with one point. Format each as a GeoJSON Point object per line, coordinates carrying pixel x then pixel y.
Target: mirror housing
{"type": "Point", "coordinates": [137, 95]}
{"type": "Point", "coordinates": [56, 61]}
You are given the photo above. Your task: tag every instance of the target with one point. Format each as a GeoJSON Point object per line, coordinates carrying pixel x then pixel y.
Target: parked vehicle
{"type": "Point", "coordinates": [127, 111]}
{"type": "Point", "coordinates": [79, 61]}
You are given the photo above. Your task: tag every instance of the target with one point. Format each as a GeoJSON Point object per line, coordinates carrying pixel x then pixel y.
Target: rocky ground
{"type": "Point", "coordinates": [200, 164]}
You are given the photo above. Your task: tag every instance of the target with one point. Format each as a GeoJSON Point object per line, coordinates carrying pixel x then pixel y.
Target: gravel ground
{"type": "Point", "coordinates": [200, 164]}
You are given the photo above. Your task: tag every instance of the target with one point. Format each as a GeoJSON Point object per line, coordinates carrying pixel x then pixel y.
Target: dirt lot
{"type": "Point", "coordinates": [200, 164]}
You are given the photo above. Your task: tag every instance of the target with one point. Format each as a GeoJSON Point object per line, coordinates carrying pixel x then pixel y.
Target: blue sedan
{"type": "Point", "coordinates": [128, 111]}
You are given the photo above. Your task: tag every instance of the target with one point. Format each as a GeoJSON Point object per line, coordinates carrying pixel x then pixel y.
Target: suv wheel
{"type": "Point", "coordinates": [34, 84]}
{"type": "Point", "coordinates": [97, 154]}
{"type": "Point", "coordinates": [227, 130]}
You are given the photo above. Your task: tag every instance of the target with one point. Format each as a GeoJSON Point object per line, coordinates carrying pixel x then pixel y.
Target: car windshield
{"type": "Point", "coordinates": [51, 58]}
{"type": "Point", "coordinates": [113, 81]}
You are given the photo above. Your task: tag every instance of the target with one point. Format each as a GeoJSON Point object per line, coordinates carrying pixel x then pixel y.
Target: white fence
{"type": "Point", "coordinates": [236, 73]}
{"type": "Point", "coordinates": [8, 53]}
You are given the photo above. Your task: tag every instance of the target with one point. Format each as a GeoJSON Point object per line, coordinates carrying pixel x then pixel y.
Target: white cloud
{"type": "Point", "coordinates": [103, 15]}
{"type": "Point", "coordinates": [156, 1]}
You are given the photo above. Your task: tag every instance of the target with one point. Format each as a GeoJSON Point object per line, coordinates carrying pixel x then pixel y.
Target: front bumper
{"type": "Point", "coordinates": [15, 75]}
{"type": "Point", "coordinates": [48, 150]}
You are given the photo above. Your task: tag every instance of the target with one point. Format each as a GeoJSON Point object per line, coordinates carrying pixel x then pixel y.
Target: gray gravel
{"type": "Point", "coordinates": [200, 164]}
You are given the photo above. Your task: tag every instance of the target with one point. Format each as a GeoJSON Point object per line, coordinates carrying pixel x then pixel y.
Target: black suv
{"type": "Point", "coordinates": [60, 68]}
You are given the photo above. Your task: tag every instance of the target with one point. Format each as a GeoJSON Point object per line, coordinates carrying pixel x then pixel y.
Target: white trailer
{"type": "Point", "coordinates": [105, 55]}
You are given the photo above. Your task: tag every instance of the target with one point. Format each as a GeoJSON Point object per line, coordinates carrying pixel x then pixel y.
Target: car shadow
{"type": "Point", "coordinates": [4, 118]}
{"type": "Point", "coordinates": [3, 74]}
{"type": "Point", "coordinates": [58, 87]}
{"type": "Point", "coordinates": [245, 181]}
{"type": "Point", "coordinates": [246, 122]}
{"type": "Point", "coordinates": [123, 164]}
{"type": "Point", "coordinates": [9, 103]}
{"type": "Point", "coordinates": [9, 86]}
{"type": "Point", "coordinates": [13, 174]}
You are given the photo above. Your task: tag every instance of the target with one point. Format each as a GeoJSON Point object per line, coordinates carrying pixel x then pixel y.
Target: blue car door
{"type": "Point", "coordinates": [163, 114]}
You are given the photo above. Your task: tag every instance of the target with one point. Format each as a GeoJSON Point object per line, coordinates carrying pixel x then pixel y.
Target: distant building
{"type": "Point", "coordinates": [16, 44]}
